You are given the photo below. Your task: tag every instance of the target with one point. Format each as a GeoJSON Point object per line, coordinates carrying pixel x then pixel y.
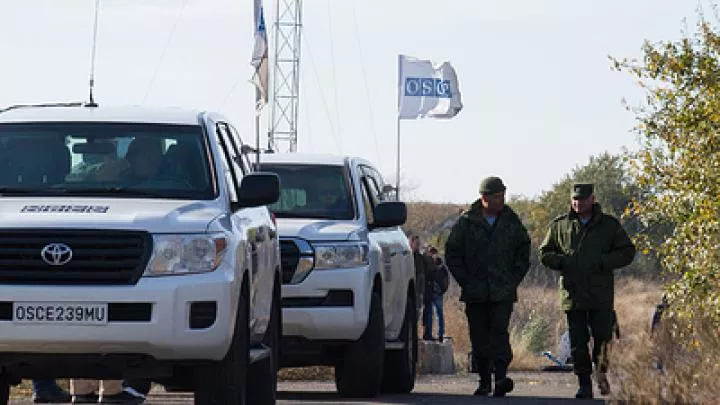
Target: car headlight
{"type": "Point", "coordinates": [340, 255]}
{"type": "Point", "coordinates": [185, 254]}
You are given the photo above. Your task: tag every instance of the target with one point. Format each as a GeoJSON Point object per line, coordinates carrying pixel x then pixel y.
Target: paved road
{"type": "Point", "coordinates": [531, 389]}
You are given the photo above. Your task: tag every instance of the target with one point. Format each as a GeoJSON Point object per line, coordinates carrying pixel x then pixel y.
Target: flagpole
{"type": "Point", "coordinates": [257, 129]}
{"type": "Point", "coordinates": [397, 173]}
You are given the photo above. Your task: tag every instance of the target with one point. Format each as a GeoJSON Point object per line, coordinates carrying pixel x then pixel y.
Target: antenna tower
{"type": "Point", "coordinates": [282, 136]}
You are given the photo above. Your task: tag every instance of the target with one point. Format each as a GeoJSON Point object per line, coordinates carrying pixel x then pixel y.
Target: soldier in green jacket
{"type": "Point", "coordinates": [488, 253]}
{"type": "Point", "coordinates": [585, 246]}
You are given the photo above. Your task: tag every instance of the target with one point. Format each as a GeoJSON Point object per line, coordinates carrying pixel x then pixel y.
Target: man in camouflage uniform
{"type": "Point", "coordinates": [488, 253]}
{"type": "Point", "coordinates": [585, 246]}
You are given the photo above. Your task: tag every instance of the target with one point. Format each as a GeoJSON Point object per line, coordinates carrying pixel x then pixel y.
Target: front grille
{"type": "Point", "coordinates": [289, 258]}
{"type": "Point", "coordinates": [98, 256]}
{"type": "Point", "coordinates": [117, 311]}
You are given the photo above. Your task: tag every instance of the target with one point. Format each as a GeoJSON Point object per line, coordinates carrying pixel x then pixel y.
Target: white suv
{"type": "Point", "coordinates": [348, 274]}
{"type": "Point", "coordinates": [135, 243]}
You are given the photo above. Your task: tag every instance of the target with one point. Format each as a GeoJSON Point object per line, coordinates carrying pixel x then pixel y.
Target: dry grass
{"type": "Point", "coordinates": [659, 370]}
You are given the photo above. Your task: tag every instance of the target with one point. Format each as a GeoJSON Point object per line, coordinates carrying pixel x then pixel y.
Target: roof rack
{"type": "Point", "coordinates": [71, 104]}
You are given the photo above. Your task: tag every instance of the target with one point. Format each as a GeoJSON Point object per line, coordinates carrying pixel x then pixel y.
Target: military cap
{"type": "Point", "coordinates": [582, 190]}
{"type": "Point", "coordinates": [492, 185]}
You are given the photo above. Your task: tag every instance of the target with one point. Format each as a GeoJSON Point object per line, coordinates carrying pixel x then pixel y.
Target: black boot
{"type": "Point", "coordinates": [585, 387]}
{"type": "Point", "coordinates": [485, 385]}
{"type": "Point", "coordinates": [503, 386]}
{"type": "Point", "coordinates": [483, 388]}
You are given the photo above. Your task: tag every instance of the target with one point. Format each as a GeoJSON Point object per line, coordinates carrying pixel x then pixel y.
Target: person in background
{"type": "Point", "coordinates": [438, 285]}
{"type": "Point", "coordinates": [427, 313]}
{"type": "Point", "coordinates": [419, 262]}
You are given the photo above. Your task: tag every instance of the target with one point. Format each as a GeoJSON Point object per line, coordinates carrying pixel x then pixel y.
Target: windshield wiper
{"type": "Point", "coordinates": [118, 190]}
{"type": "Point", "coordinates": [18, 191]}
{"type": "Point", "coordinates": [300, 215]}
{"type": "Point", "coordinates": [62, 190]}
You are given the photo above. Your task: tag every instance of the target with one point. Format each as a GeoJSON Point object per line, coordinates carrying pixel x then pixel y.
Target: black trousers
{"type": "Point", "coordinates": [488, 323]}
{"type": "Point", "coordinates": [583, 324]}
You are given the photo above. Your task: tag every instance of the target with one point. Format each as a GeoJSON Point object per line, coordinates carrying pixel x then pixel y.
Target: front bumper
{"type": "Point", "coordinates": [323, 321]}
{"type": "Point", "coordinates": [166, 335]}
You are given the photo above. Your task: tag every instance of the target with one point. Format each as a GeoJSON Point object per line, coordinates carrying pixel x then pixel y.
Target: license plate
{"type": "Point", "coordinates": [54, 313]}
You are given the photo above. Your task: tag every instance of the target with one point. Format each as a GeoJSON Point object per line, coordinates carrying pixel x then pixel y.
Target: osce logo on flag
{"type": "Point", "coordinates": [427, 87]}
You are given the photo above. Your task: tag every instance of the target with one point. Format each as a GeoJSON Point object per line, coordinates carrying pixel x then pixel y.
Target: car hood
{"type": "Point", "coordinates": [319, 229]}
{"type": "Point", "coordinates": [152, 215]}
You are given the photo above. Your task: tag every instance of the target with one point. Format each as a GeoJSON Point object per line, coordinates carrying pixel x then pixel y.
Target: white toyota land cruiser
{"type": "Point", "coordinates": [135, 243]}
{"type": "Point", "coordinates": [348, 274]}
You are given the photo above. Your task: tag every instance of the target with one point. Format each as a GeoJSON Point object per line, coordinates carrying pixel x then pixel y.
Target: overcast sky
{"type": "Point", "coordinates": [538, 92]}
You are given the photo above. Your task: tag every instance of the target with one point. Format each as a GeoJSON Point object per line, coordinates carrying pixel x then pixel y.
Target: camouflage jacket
{"type": "Point", "coordinates": [488, 262]}
{"type": "Point", "coordinates": [586, 256]}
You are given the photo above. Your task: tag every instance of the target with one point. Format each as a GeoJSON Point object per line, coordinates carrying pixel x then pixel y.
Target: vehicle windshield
{"type": "Point", "coordinates": [312, 191]}
{"type": "Point", "coordinates": [100, 159]}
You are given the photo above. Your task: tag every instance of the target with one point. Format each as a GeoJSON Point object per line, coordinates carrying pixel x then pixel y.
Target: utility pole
{"type": "Point", "coordinates": [282, 136]}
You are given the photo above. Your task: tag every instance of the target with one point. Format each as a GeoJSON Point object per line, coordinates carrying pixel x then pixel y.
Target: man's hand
{"type": "Point", "coordinates": [568, 262]}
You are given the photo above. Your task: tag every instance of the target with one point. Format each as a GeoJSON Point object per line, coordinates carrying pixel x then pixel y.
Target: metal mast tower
{"type": "Point", "coordinates": [286, 76]}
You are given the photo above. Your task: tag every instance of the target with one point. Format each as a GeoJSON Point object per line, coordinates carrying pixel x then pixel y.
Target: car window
{"type": "Point", "coordinates": [242, 158]}
{"type": "Point", "coordinates": [368, 203]}
{"type": "Point", "coordinates": [134, 160]}
{"type": "Point", "coordinates": [312, 191]}
{"type": "Point", "coordinates": [231, 168]}
{"type": "Point", "coordinates": [375, 183]}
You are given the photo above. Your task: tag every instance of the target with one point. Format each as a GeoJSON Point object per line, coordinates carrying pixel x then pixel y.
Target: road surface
{"type": "Point", "coordinates": [530, 389]}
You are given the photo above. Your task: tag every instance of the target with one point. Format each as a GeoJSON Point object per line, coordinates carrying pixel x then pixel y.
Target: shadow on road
{"type": "Point", "coordinates": [424, 398]}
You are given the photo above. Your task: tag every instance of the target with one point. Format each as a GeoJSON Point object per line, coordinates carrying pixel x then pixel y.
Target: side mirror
{"type": "Point", "coordinates": [258, 189]}
{"type": "Point", "coordinates": [390, 213]}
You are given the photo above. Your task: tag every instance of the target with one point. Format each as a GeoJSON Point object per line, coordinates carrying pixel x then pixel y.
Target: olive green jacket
{"type": "Point", "coordinates": [488, 262]}
{"type": "Point", "coordinates": [586, 256]}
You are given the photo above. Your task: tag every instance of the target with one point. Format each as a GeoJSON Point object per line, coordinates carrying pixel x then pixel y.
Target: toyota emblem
{"type": "Point", "coordinates": [57, 254]}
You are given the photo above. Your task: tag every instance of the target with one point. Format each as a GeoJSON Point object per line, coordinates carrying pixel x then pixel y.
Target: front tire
{"type": "Point", "coordinates": [262, 377]}
{"type": "Point", "coordinates": [4, 392]}
{"type": "Point", "coordinates": [401, 365]}
{"type": "Point", "coordinates": [224, 382]}
{"type": "Point", "coordinates": [359, 373]}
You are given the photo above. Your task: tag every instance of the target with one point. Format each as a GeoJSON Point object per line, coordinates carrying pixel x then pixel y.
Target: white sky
{"type": "Point", "coordinates": [538, 92]}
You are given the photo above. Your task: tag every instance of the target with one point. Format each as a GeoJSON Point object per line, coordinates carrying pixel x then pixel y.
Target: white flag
{"type": "Point", "coordinates": [260, 58]}
{"type": "Point", "coordinates": [427, 89]}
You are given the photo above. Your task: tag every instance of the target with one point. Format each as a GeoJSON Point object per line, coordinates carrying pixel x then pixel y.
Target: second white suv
{"type": "Point", "coordinates": [348, 293]}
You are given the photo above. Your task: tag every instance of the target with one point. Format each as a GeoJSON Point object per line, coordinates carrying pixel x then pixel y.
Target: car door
{"type": "Point", "coordinates": [402, 264]}
{"type": "Point", "coordinates": [390, 258]}
{"type": "Point", "coordinates": [256, 223]}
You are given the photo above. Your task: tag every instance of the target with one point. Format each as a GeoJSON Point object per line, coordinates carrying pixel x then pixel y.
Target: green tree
{"type": "Point", "coordinates": [678, 164]}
